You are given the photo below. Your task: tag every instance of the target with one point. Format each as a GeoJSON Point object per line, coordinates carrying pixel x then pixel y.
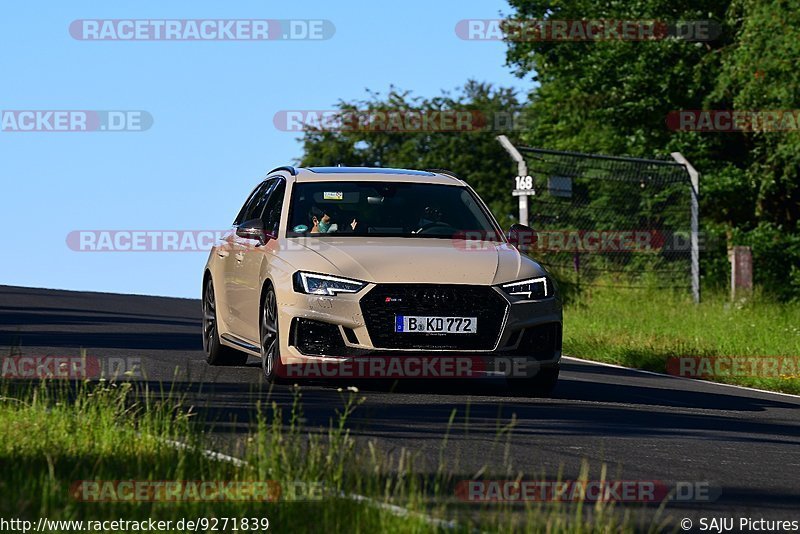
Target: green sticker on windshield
{"type": "Point", "coordinates": [332, 195]}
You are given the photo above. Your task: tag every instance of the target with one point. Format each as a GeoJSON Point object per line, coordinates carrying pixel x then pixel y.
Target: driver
{"type": "Point", "coordinates": [431, 216]}
{"type": "Point", "coordinates": [322, 220]}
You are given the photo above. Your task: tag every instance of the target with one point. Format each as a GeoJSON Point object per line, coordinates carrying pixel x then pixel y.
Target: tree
{"type": "Point", "coordinates": [476, 156]}
{"type": "Point", "coordinates": [759, 72]}
{"type": "Point", "coordinates": [613, 97]}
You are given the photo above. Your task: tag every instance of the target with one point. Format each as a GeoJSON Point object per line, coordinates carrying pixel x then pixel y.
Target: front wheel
{"type": "Point", "coordinates": [270, 344]}
{"type": "Point", "coordinates": [216, 353]}
{"type": "Point", "coordinates": [541, 384]}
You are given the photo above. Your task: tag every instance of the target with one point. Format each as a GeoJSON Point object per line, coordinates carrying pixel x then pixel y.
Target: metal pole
{"type": "Point", "coordinates": [694, 177]}
{"type": "Point", "coordinates": [522, 170]}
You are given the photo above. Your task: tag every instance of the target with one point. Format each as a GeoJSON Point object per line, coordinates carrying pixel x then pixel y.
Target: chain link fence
{"type": "Point", "coordinates": [613, 221]}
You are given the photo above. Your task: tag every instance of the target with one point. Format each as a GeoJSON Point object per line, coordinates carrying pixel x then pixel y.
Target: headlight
{"type": "Point", "coordinates": [323, 284]}
{"type": "Point", "coordinates": [532, 288]}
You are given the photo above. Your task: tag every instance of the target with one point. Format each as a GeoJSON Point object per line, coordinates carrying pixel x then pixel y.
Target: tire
{"type": "Point", "coordinates": [216, 353]}
{"type": "Point", "coordinates": [540, 385]}
{"type": "Point", "coordinates": [270, 341]}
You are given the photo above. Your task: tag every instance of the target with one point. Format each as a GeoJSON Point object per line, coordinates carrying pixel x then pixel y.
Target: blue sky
{"type": "Point", "coordinates": [212, 103]}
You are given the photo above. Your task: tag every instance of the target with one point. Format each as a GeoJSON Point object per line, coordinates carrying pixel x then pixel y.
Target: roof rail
{"type": "Point", "coordinates": [446, 172]}
{"type": "Point", "coordinates": [288, 168]}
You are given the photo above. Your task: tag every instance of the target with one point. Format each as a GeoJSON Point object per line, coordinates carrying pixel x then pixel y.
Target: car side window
{"type": "Point", "coordinates": [273, 208]}
{"type": "Point", "coordinates": [248, 208]}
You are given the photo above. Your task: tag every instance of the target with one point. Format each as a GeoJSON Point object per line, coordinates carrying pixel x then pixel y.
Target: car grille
{"type": "Point", "coordinates": [385, 301]}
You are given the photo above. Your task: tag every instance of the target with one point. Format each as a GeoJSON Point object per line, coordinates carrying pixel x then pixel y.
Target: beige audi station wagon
{"type": "Point", "coordinates": [327, 266]}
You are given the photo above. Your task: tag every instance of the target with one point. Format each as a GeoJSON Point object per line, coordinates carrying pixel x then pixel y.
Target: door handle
{"type": "Point", "coordinates": [239, 256]}
{"type": "Point", "coordinates": [222, 253]}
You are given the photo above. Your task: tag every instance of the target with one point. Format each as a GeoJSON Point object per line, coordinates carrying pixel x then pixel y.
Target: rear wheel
{"type": "Point", "coordinates": [540, 385]}
{"type": "Point", "coordinates": [216, 353]}
{"type": "Point", "coordinates": [270, 344]}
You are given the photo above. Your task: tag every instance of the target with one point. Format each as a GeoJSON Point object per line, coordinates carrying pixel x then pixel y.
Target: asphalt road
{"type": "Point", "coordinates": [746, 444]}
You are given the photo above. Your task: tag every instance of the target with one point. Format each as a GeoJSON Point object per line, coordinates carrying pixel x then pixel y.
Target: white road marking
{"type": "Point", "coordinates": [391, 508]}
{"type": "Point", "coordinates": [707, 382]}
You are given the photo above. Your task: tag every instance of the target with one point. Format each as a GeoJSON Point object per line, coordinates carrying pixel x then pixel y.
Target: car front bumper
{"type": "Point", "coordinates": [341, 330]}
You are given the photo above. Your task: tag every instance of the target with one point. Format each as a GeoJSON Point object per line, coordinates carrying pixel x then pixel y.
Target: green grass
{"type": "Point", "coordinates": [53, 438]}
{"type": "Point", "coordinates": [57, 434]}
{"type": "Point", "coordinates": [643, 329]}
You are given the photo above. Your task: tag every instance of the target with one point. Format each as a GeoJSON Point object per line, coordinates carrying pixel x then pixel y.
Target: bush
{"type": "Point", "coordinates": [776, 259]}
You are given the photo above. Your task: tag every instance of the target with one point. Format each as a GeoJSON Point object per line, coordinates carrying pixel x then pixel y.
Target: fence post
{"type": "Point", "coordinates": [694, 178]}
{"type": "Point", "coordinates": [741, 259]}
{"type": "Point", "coordinates": [522, 170]}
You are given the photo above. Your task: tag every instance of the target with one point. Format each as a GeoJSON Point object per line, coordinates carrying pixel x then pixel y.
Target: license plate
{"type": "Point", "coordinates": [422, 324]}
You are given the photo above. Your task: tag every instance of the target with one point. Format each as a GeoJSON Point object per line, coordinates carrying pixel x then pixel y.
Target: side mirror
{"type": "Point", "coordinates": [523, 237]}
{"type": "Point", "coordinates": [253, 229]}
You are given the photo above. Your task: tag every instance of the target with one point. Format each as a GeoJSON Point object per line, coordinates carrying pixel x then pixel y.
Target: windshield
{"type": "Point", "coordinates": [382, 209]}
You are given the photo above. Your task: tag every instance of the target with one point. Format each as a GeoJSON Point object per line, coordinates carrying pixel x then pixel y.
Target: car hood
{"type": "Point", "coordinates": [413, 260]}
